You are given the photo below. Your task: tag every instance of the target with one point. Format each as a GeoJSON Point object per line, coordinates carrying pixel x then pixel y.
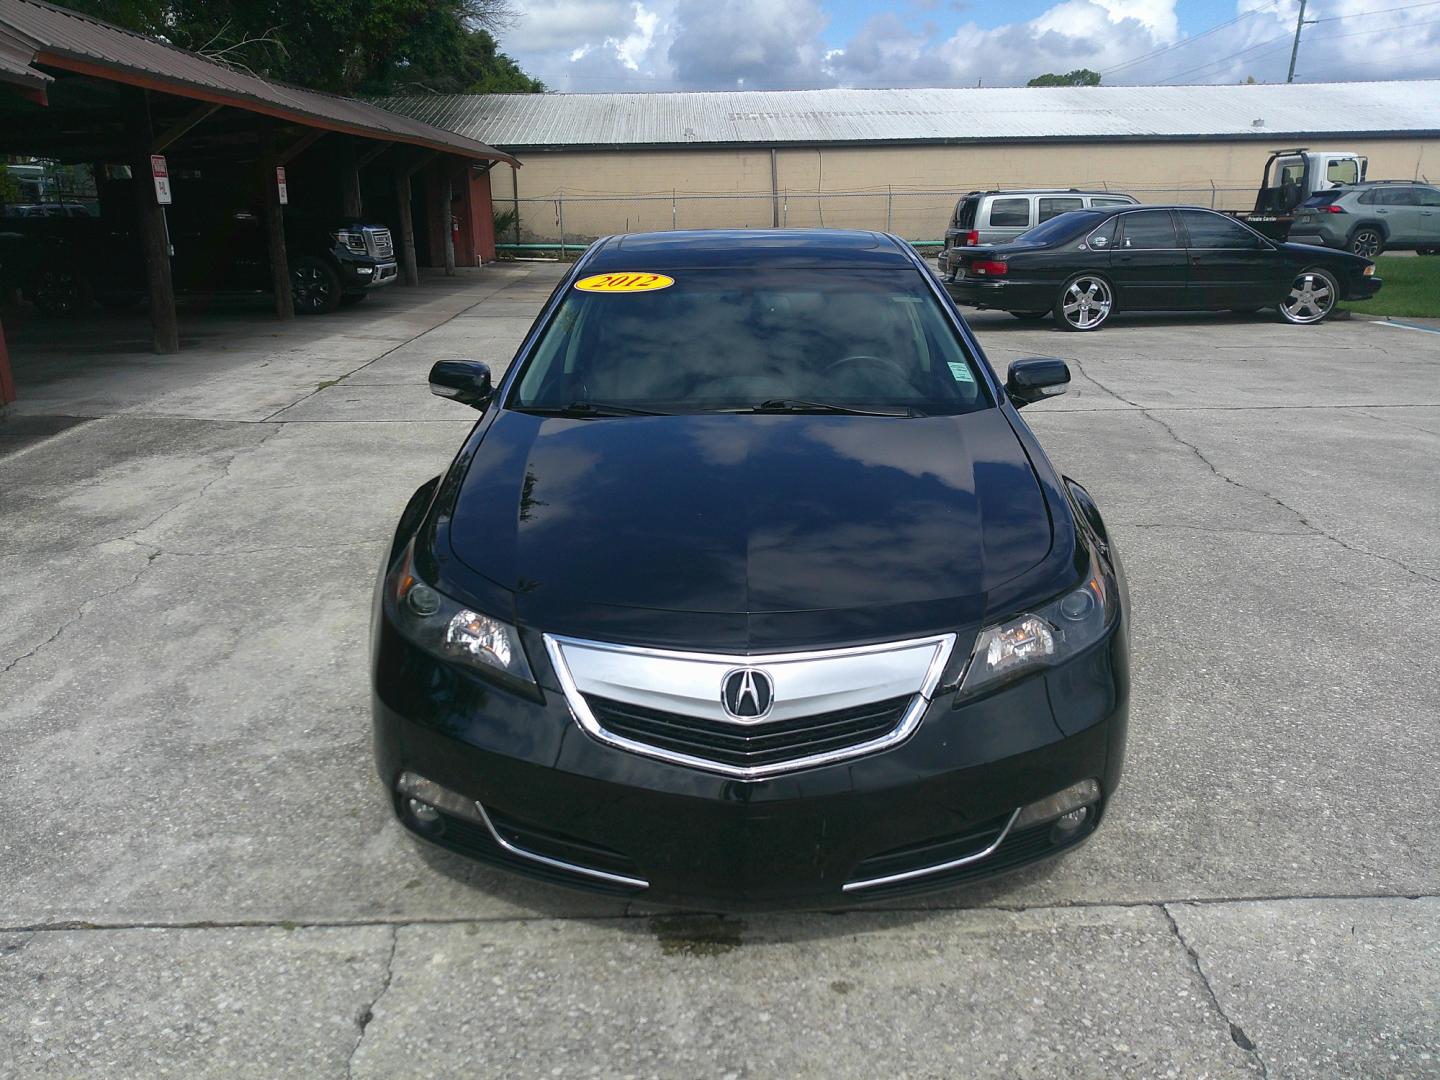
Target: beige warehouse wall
{"type": "Point", "coordinates": [630, 191]}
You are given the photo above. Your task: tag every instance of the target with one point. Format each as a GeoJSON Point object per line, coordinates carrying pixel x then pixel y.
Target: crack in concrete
{"type": "Point", "coordinates": [362, 1021]}
{"type": "Point", "coordinates": [1237, 1033]}
{"type": "Point", "coordinates": [80, 614]}
{"type": "Point", "coordinates": [631, 912]}
{"type": "Point", "coordinates": [1280, 503]}
{"type": "Point", "coordinates": [261, 550]}
{"type": "Point", "coordinates": [199, 492]}
{"type": "Point", "coordinates": [1211, 529]}
{"type": "Point", "coordinates": [1402, 423]}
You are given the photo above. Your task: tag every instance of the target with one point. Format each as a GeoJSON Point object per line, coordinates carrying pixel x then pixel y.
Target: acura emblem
{"type": "Point", "coordinates": [747, 694]}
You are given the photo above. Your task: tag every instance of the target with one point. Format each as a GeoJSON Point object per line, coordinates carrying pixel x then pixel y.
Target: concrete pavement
{"type": "Point", "coordinates": [198, 875]}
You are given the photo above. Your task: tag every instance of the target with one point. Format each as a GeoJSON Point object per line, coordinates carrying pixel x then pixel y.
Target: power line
{"type": "Point", "coordinates": [1190, 40]}
{"type": "Point", "coordinates": [1230, 56]}
{"type": "Point", "coordinates": [1378, 11]}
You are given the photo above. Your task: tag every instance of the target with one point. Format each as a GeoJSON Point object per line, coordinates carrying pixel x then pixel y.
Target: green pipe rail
{"type": "Point", "coordinates": [562, 246]}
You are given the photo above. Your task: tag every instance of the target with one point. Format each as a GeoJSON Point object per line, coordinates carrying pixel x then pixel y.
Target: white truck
{"type": "Point", "coordinates": [1292, 176]}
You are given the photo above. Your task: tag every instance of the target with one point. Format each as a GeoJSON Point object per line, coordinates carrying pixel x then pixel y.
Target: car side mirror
{"type": "Point", "coordinates": [1034, 380]}
{"type": "Point", "coordinates": [465, 381]}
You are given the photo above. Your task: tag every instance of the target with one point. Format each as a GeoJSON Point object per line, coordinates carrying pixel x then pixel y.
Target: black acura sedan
{"type": "Point", "coordinates": [1085, 265]}
{"type": "Point", "coordinates": [751, 588]}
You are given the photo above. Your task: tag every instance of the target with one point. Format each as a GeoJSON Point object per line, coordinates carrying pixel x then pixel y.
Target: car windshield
{"type": "Point", "coordinates": [1323, 198]}
{"type": "Point", "coordinates": [743, 339]}
{"type": "Point", "coordinates": [1060, 227]}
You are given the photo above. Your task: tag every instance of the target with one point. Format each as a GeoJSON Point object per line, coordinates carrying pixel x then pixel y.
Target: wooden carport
{"type": "Point", "coordinates": [75, 89]}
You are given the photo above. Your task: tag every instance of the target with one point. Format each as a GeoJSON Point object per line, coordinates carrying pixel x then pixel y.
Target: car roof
{"type": "Point", "coordinates": [720, 248]}
{"type": "Point", "coordinates": [1050, 191]}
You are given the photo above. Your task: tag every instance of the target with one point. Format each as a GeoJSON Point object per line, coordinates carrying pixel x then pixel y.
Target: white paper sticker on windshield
{"type": "Point", "coordinates": [961, 372]}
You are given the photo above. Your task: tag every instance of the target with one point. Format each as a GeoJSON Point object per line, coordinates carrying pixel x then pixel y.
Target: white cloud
{"type": "Point", "coordinates": [587, 45]}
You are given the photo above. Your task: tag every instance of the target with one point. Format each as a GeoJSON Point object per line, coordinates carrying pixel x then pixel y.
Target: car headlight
{"type": "Point", "coordinates": [1048, 635]}
{"type": "Point", "coordinates": [450, 630]}
{"type": "Point", "coordinates": [351, 241]}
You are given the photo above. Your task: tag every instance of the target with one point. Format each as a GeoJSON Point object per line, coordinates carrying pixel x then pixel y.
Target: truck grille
{"type": "Point", "coordinates": [750, 744]}
{"type": "Point", "coordinates": [379, 243]}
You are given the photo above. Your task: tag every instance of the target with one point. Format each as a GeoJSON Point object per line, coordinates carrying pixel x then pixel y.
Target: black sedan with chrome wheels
{"type": "Point", "coordinates": [751, 587]}
{"type": "Point", "coordinates": [1083, 267]}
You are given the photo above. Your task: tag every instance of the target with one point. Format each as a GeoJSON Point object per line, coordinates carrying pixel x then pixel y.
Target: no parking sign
{"type": "Point", "coordinates": [161, 173]}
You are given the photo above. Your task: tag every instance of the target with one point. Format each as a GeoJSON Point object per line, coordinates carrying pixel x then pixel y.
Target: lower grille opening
{"type": "Point", "coordinates": [1021, 846]}
{"type": "Point", "coordinates": [931, 852]}
{"type": "Point", "coordinates": [750, 744]}
{"type": "Point", "coordinates": [473, 839]}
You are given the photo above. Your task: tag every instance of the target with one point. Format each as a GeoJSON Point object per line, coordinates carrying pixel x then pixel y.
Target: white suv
{"type": "Point", "coordinates": [993, 217]}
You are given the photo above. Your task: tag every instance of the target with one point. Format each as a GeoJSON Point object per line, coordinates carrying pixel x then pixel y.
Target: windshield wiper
{"type": "Point", "coordinates": [796, 405]}
{"type": "Point", "coordinates": [591, 408]}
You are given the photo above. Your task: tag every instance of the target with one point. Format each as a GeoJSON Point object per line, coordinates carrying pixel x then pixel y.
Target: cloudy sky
{"type": "Point", "coordinates": [646, 45]}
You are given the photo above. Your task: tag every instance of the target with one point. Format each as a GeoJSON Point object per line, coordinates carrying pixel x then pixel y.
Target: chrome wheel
{"type": "Point", "coordinates": [1367, 243]}
{"type": "Point", "coordinates": [1085, 303]}
{"type": "Point", "coordinates": [1311, 297]}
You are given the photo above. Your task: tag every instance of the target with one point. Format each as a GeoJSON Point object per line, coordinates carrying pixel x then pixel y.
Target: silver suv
{"type": "Point", "coordinates": [1371, 216]}
{"type": "Point", "coordinates": [994, 217]}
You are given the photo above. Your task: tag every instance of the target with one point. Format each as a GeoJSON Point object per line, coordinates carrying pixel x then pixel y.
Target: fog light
{"type": "Point", "coordinates": [1073, 820]}
{"type": "Point", "coordinates": [434, 798]}
{"type": "Point", "coordinates": [364, 271]}
{"type": "Point", "coordinates": [1074, 799]}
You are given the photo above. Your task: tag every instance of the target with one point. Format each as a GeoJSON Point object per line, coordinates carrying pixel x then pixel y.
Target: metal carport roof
{"type": "Point", "coordinates": [35, 35]}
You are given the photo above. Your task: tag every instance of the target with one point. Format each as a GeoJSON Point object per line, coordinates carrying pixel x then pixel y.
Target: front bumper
{"type": "Point", "coordinates": [681, 835]}
{"type": "Point", "coordinates": [364, 274]}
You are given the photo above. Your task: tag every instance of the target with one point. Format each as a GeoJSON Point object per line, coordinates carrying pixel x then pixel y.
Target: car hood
{"type": "Point", "coordinates": [750, 515]}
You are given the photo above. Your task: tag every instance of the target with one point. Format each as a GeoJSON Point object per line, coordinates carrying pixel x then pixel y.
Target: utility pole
{"type": "Point", "coordinates": [1300, 21]}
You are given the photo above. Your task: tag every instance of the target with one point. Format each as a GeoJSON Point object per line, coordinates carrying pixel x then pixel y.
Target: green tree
{"type": "Point", "coordinates": [1078, 77]}
{"type": "Point", "coordinates": [344, 46]}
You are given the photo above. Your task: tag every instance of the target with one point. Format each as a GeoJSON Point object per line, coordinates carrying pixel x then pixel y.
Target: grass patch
{"type": "Point", "coordinates": [1412, 287]}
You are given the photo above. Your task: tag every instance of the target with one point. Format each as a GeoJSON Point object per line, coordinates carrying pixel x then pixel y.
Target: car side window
{"type": "Point", "coordinates": [1010, 213]}
{"type": "Point", "coordinates": [1100, 200]}
{"type": "Point", "coordinates": [1429, 196]}
{"type": "Point", "coordinates": [1399, 196]}
{"type": "Point", "coordinates": [1050, 208]}
{"type": "Point", "coordinates": [1208, 230]}
{"type": "Point", "coordinates": [1103, 238]}
{"type": "Point", "coordinates": [1149, 229]}
{"type": "Point", "coordinates": [1367, 197]}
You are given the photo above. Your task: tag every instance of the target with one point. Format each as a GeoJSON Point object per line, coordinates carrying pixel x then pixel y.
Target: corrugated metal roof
{"type": "Point", "coordinates": [56, 38]}
{"type": "Point", "coordinates": [787, 117]}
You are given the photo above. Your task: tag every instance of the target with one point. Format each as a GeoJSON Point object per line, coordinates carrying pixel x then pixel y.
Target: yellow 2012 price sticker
{"type": "Point", "coordinates": [630, 281]}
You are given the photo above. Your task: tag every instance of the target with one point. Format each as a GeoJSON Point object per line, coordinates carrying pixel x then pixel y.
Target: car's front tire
{"type": "Point", "coordinates": [1311, 298]}
{"type": "Point", "coordinates": [1085, 303]}
{"type": "Point", "coordinates": [1367, 242]}
{"type": "Point", "coordinates": [314, 286]}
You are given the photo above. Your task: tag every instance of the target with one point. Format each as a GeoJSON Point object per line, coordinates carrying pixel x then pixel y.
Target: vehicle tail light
{"type": "Point", "coordinates": [989, 267]}
{"type": "Point", "coordinates": [972, 238]}
{"type": "Point", "coordinates": [1331, 208]}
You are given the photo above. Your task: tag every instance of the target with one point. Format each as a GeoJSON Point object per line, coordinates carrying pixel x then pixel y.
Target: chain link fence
{"type": "Point", "coordinates": [918, 216]}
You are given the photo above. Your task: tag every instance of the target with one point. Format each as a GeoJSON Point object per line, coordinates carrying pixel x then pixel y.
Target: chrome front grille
{"type": "Point", "coordinates": [818, 707]}
{"type": "Point", "coordinates": [771, 743]}
{"type": "Point", "coordinates": [379, 243]}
